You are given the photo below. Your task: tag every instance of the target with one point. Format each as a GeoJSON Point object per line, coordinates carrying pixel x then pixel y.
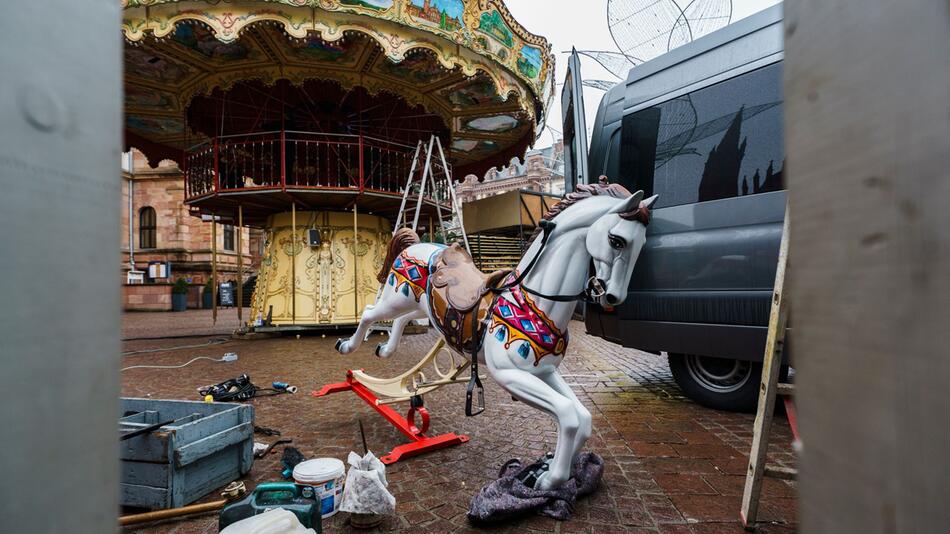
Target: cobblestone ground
{"type": "Point", "coordinates": [671, 466]}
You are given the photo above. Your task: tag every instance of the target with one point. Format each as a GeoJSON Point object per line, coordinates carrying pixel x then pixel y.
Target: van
{"type": "Point", "coordinates": [700, 126]}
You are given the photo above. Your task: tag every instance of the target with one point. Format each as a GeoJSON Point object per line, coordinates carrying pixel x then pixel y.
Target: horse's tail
{"type": "Point", "coordinates": [402, 239]}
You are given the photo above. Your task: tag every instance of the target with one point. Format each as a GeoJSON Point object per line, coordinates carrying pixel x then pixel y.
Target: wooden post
{"type": "Point", "coordinates": [240, 266]}
{"type": "Point", "coordinates": [214, 269]}
{"type": "Point", "coordinates": [293, 262]}
{"type": "Point", "coordinates": [362, 176]}
{"type": "Point", "coordinates": [866, 129]}
{"type": "Point", "coordinates": [356, 280]}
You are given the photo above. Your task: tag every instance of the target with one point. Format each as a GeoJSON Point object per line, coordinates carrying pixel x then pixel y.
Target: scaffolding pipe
{"type": "Point", "coordinates": [293, 263]}
{"type": "Point", "coordinates": [214, 269]}
{"type": "Point", "coordinates": [240, 266]}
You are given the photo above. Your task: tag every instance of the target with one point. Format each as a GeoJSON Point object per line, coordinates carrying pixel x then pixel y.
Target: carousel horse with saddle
{"type": "Point", "coordinates": [516, 322]}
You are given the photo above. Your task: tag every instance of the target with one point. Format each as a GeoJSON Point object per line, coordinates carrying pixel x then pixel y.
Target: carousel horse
{"type": "Point", "coordinates": [516, 322]}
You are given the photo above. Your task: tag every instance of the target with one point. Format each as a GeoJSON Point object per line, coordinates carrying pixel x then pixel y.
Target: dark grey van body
{"type": "Point", "coordinates": [702, 127]}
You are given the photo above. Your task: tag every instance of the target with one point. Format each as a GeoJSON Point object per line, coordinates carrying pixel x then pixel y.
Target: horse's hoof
{"type": "Point", "coordinates": [339, 343]}
{"type": "Point", "coordinates": [380, 348]}
{"type": "Point", "coordinates": [543, 481]}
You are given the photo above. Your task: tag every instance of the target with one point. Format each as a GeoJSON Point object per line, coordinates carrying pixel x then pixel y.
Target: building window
{"type": "Point", "coordinates": [147, 225]}
{"type": "Point", "coordinates": [228, 237]}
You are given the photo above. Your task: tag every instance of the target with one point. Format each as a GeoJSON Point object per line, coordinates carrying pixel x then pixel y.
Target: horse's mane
{"type": "Point", "coordinates": [601, 188]}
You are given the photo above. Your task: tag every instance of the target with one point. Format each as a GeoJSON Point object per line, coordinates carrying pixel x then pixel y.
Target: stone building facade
{"type": "Point", "coordinates": [542, 170]}
{"type": "Point", "coordinates": [163, 230]}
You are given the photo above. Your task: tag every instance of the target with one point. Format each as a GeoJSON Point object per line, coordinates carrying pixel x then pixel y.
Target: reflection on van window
{"type": "Point", "coordinates": [718, 142]}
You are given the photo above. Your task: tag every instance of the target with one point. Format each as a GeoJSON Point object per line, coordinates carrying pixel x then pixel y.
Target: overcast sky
{"type": "Point", "coordinates": [567, 23]}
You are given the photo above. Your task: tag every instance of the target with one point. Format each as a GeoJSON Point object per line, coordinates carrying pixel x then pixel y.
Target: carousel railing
{"type": "Point", "coordinates": [296, 160]}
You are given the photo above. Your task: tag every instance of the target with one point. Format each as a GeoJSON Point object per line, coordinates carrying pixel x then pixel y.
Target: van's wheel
{"type": "Point", "coordinates": [720, 383]}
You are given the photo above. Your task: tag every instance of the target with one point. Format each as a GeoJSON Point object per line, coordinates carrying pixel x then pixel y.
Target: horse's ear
{"type": "Point", "coordinates": [649, 202]}
{"type": "Point", "coordinates": [629, 204]}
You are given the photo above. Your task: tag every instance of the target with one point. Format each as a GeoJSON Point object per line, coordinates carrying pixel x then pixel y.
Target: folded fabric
{"type": "Point", "coordinates": [508, 497]}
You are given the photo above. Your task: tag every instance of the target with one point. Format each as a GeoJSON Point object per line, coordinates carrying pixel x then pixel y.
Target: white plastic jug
{"type": "Point", "coordinates": [276, 521]}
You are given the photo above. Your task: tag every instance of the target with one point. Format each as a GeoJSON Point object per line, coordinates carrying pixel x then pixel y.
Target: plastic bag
{"type": "Point", "coordinates": [365, 489]}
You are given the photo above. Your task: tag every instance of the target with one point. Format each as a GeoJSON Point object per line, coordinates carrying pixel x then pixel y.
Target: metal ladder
{"type": "Point", "coordinates": [428, 179]}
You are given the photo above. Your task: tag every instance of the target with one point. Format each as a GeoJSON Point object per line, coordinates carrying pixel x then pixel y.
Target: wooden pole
{"type": "Point", "coordinates": [214, 269]}
{"type": "Point", "coordinates": [240, 266]}
{"type": "Point", "coordinates": [157, 515]}
{"type": "Point", "coordinates": [293, 262]}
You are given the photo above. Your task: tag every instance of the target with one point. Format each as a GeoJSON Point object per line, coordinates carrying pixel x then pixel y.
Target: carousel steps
{"type": "Point", "coordinates": [495, 252]}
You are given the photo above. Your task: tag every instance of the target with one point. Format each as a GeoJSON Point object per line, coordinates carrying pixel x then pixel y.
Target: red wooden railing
{"type": "Point", "coordinates": [293, 160]}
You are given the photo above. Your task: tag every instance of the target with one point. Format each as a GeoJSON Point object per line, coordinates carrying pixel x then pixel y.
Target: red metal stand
{"type": "Point", "coordinates": [407, 425]}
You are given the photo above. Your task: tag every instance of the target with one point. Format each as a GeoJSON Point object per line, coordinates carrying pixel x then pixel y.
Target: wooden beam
{"type": "Point", "coordinates": [867, 127]}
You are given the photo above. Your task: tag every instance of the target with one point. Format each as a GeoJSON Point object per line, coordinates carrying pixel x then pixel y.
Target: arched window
{"type": "Point", "coordinates": [228, 237]}
{"type": "Point", "coordinates": [147, 225]}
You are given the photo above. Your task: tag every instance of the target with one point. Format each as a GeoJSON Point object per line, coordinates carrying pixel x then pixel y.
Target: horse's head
{"type": "Point", "coordinates": [614, 242]}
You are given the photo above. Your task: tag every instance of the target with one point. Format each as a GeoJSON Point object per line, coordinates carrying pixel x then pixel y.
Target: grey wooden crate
{"type": "Point", "coordinates": [207, 446]}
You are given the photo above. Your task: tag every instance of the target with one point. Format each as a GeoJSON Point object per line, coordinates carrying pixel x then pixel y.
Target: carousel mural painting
{"type": "Point", "coordinates": [302, 117]}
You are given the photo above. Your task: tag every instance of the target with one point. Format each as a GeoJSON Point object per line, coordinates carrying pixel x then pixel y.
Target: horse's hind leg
{"type": "Point", "coordinates": [389, 306]}
{"type": "Point", "coordinates": [371, 315]}
{"type": "Point", "coordinates": [385, 350]}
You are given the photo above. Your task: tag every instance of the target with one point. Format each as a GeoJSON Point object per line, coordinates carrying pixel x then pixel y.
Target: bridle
{"type": "Point", "coordinates": [593, 291]}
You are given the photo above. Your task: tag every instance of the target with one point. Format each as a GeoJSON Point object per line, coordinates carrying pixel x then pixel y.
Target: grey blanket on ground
{"type": "Point", "coordinates": [508, 497]}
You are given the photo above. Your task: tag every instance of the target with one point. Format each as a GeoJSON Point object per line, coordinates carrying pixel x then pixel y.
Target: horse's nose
{"type": "Point", "coordinates": [612, 300]}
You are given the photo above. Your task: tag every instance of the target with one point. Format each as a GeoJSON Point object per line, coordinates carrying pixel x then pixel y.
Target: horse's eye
{"type": "Point", "coordinates": [616, 242]}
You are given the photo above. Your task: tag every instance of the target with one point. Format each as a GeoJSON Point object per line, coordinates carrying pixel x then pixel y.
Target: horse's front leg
{"type": "Point", "coordinates": [531, 390]}
{"type": "Point", "coordinates": [556, 381]}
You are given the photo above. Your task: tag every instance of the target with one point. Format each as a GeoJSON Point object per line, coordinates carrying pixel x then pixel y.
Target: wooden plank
{"type": "Point", "coordinates": [145, 473]}
{"type": "Point", "coordinates": [213, 471]}
{"type": "Point", "coordinates": [784, 473]}
{"type": "Point", "coordinates": [213, 443]}
{"type": "Point", "coordinates": [154, 447]}
{"type": "Point", "coordinates": [144, 496]}
{"type": "Point", "coordinates": [771, 365]}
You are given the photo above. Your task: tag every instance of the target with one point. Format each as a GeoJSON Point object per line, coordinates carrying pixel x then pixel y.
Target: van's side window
{"type": "Point", "coordinates": [721, 141]}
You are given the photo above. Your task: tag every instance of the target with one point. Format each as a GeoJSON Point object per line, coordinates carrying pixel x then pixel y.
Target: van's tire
{"type": "Point", "coordinates": [719, 383]}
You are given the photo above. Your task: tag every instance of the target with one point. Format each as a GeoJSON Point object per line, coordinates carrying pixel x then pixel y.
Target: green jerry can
{"type": "Point", "coordinates": [270, 495]}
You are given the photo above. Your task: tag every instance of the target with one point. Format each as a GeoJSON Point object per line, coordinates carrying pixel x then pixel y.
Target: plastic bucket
{"type": "Point", "coordinates": [325, 478]}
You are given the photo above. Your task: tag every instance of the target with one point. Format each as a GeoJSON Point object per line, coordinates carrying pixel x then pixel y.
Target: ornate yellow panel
{"type": "Point", "coordinates": [327, 284]}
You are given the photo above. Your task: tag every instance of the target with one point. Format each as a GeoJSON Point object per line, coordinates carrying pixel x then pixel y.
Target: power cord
{"type": "Point", "coordinates": [238, 389]}
{"type": "Point", "coordinates": [229, 357]}
{"type": "Point", "coordinates": [217, 341]}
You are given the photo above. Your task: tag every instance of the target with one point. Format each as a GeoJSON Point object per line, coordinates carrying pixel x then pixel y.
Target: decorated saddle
{"type": "Point", "coordinates": [463, 304]}
{"type": "Point", "coordinates": [460, 298]}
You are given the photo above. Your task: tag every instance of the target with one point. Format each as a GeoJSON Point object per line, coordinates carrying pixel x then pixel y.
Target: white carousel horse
{"type": "Point", "coordinates": [524, 335]}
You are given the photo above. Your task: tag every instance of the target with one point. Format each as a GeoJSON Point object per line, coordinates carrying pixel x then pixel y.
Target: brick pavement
{"type": "Point", "coordinates": [671, 465]}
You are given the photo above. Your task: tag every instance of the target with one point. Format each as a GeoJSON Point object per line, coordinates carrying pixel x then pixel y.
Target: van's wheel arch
{"type": "Point", "coordinates": [720, 383]}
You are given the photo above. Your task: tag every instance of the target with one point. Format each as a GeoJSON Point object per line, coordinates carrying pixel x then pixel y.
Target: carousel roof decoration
{"type": "Point", "coordinates": [195, 69]}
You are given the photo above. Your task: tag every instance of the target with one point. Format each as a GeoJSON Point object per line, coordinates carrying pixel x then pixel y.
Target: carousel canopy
{"type": "Point", "coordinates": [398, 70]}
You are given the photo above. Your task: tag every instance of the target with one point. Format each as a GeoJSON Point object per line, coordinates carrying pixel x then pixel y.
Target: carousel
{"type": "Point", "coordinates": [312, 120]}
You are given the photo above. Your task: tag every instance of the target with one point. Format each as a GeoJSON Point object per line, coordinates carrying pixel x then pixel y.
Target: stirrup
{"type": "Point", "coordinates": [474, 388]}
